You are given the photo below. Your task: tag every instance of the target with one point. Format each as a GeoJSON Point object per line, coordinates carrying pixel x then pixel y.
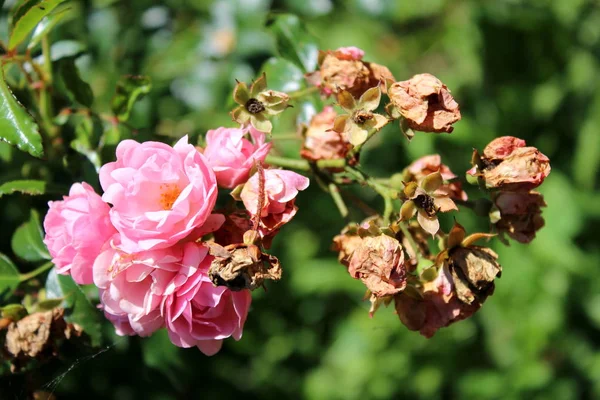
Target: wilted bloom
{"type": "Point", "coordinates": [77, 228]}
{"type": "Point", "coordinates": [424, 200]}
{"type": "Point", "coordinates": [159, 193]}
{"type": "Point", "coordinates": [507, 164]}
{"type": "Point", "coordinates": [279, 196]}
{"type": "Point", "coordinates": [518, 214]}
{"type": "Point", "coordinates": [232, 152]}
{"type": "Point", "coordinates": [257, 104]}
{"type": "Point", "coordinates": [197, 313]}
{"type": "Point", "coordinates": [425, 103]}
{"type": "Point", "coordinates": [321, 141]}
{"type": "Point", "coordinates": [343, 69]}
{"type": "Point", "coordinates": [242, 266]}
{"type": "Point", "coordinates": [132, 286]}
{"type": "Point", "coordinates": [436, 307]}
{"type": "Point", "coordinates": [426, 165]}
{"type": "Point", "coordinates": [232, 231]}
{"type": "Point", "coordinates": [360, 119]}
{"type": "Point", "coordinates": [379, 263]}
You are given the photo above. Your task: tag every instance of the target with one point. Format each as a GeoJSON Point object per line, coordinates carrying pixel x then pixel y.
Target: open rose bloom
{"type": "Point", "coordinates": [143, 242]}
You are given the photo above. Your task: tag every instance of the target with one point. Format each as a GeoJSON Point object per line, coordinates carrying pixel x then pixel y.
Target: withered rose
{"type": "Point", "coordinates": [321, 141]}
{"type": "Point", "coordinates": [242, 266]}
{"type": "Point", "coordinates": [426, 103]}
{"type": "Point", "coordinates": [518, 214]}
{"type": "Point", "coordinates": [437, 307]}
{"type": "Point", "coordinates": [426, 165]}
{"type": "Point", "coordinates": [379, 263]}
{"type": "Point", "coordinates": [343, 69]}
{"type": "Point", "coordinates": [473, 270]}
{"type": "Point", "coordinates": [507, 164]}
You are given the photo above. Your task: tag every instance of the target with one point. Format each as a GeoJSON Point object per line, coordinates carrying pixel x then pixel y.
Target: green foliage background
{"type": "Point", "coordinates": [528, 68]}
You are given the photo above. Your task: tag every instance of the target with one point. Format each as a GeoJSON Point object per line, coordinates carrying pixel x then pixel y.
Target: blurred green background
{"type": "Point", "coordinates": [525, 68]}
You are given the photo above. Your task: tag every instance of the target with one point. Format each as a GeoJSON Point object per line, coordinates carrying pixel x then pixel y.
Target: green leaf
{"type": "Point", "coordinates": [283, 75]}
{"type": "Point", "coordinates": [48, 304]}
{"type": "Point", "coordinates": [129, 90]}
{"type": "Point", "coordinates": [78, 89]}
{"type": "Point", "coordinates": [159, 353]}
{"type": "Point", "coordinates": [26, 18]}
{"type": "Point", "coordinates": [28, 240]}
{"type": "Point", "coordinates": [293, 42]}
{"type": "Point", "coordinates": [62, 13]}
{"type": "Point", "coordinates": [9, 276]}
{"type": "Point", "coordinates": [78, 309]}
{"type": "Point", "coordinates": [17, 127]}
{"type": "Point", "coordinates": [13, 311]}
{"type": "Point", "coordinates": [31, 187]}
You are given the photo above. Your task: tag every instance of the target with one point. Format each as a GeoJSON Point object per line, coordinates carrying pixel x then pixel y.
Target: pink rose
{"type": "Point", "coordinates": [281, 188]}
{"type": "Point", "coordinates": [231, 155]}
{"type": "Point", "coordinates": [196, 312]}
{"type": "Point", "coordinates": [132, 286]}
{"type": "Point", "coordinates": [76, 230]}
{"type": "Point", "coordinates": [159, 193]}
{"type": "Point", "coordinates": [349, 53]}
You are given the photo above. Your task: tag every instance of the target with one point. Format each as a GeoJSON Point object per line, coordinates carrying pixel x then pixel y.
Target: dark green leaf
{"type": "Point", "coordinates": [293, 42]}
{"type": "Point", "coordinates": [76, 87]}
{"type": "Point", "coordinates": [62, 13]}
{"type": "Point", "coordinates": [9, 276]}
{"type": "Point", "coordinates": [88, 133]}
{"type": "Point", "coordinates": [13, 311]}
{"type": "Point", "coordinates": [30, 187]}
{"type": "Point", "coordinates": [78, 309]}
{"type": "Point", "coordinates": [129, 90]}
{"type": "Point", "coordinates": [283, 75]}
{"type": "Point", "coordinates": [159, 353]}
{"type": "Point", "coordinates": [28, 240]}
{"type": "Point", "coordinates": [26, 18]}
{"type": "Point", "coordinates": [17, 127]}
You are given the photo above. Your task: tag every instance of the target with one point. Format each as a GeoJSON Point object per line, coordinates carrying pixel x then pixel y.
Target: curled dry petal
{"type": "Point", "coordinates": [344, 69]}
{"type": "Point", "coordinates": [321, 141]}
{"type": "Point", "coordinates": [426, 165]}
{"type": "Point", "coordinates": [473, 270]}
{"type": "Point", "coordinates": [518, 214]}
{"type": "Point", "coordinates": [507, 164]}
{"type": "Point", "coordinates": [426, 103]}
{"type": "Point", "coordinates": [379, 263]}
{"type": "Point", "coordinates": [241, 267]}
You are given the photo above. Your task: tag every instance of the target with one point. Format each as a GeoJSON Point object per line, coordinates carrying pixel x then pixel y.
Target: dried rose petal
{"type": "Point", "coordinates": [379, 263]}
{"type": "Point", "coordinates": [426, 103]}
{"type": "Point", "coordinates": [520, 214]}
{"type": "Point", "coordinates": [321, 141]}
{"type": "Point", "coordinates": [426, 165]}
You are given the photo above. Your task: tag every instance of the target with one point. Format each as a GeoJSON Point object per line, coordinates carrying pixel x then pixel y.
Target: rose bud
{"type": "Point", "coordinates": [232, 152]}
{"type": "Point", "coordinates": [507, 164]}
{"type": "Point", "coordinates": [321, 141]}
{"type": "Point", "coordinates": [425, 103]}
{"type": "Point", "coordinates": [343, 69]}
{"type": "Point", "coordinates": [379, 263]}
{"type": "Point", "coordinates": [418, 170]}
{"type": "Point", "coordinates": [518, 214]}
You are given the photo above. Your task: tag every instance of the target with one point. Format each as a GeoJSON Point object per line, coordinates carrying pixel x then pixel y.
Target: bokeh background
{"type": "Point", "coordinates": [528, 68]}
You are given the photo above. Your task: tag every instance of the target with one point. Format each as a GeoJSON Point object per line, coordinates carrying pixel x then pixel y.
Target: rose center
{"type": "Point", "coordinates": [169, 192]}
{"type": "Point", "coordinates": [425, 202]}
{"type": "Point", "coordinates": [254, 106]}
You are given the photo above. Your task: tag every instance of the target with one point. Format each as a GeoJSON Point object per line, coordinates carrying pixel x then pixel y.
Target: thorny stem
{"type": "Point", "coordinates": [303, 165]}
{"type": "Point", "coordinates": [261, 196]}
{"type": "Point", "coordinates": [404, 228]}
{"type": "Point", "coordinates": [303, 92]}
{"type": "Point", "coordinates": [35, 272]}
{"type": "Point", "coordinates": [337, 199]}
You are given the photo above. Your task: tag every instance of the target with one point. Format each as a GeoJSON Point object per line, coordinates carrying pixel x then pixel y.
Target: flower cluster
{"type": "Point", "coordinates": [157, 249]}
{"type": "Point", "coordinates": [392, 252]}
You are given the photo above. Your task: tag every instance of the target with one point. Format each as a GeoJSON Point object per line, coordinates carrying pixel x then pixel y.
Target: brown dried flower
{"type": "Point", "coordinates": [425, 103]}
{"type": "Point", "coordinates": [518, 214]}
{"type": "Point", "coordinates": [344, 69]}
{"type": "Point", "coordinates": [242, 266]}
{"type": "Point", "coordinates": [321, 141]}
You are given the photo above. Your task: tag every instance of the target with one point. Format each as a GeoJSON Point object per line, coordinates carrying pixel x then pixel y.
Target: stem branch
{"type": "Point", "coordinates": [35, 272]}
